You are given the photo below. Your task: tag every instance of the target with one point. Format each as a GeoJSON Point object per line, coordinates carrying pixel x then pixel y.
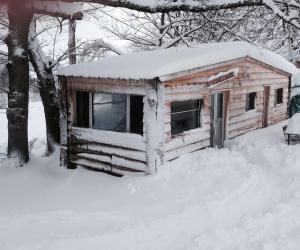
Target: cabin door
{"type": "Point", "coordinates": [266, 106]}
{"type": "Point", "coordinates": [217, 120]}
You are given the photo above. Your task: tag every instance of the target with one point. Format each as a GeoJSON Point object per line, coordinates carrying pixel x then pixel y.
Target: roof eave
{"type": "Point", "coordinates": [211, 66]}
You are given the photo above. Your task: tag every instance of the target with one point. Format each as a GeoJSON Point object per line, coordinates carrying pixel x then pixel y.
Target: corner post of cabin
{"type": "Point", "coordinates": [71, 96]}
{"type": "Point", "coordinates": [63, 120]}
{"type": "Point", "coordinates": [154, 125]}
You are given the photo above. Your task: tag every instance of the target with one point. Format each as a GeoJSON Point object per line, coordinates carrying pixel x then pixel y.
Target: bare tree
{"type": "Point", "coordinates": [20, 16]}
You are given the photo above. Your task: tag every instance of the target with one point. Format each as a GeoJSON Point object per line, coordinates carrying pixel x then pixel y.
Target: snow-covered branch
{"type": "Point", "coordinates": [286, 10]}
{"type": "Point", "coordinates": [100, 43]}
{"type": "Point", "coordinates": [153, 6]}
{"type": "Point", "coordinates": [4, 90]}
{"type": "Point", "coordinates": [64, 9]}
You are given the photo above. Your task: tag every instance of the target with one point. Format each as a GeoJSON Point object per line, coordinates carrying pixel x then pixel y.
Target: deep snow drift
{"type": "Point", "coordinates": [245, 196]}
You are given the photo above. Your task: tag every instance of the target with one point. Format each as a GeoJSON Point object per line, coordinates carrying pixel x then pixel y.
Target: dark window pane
{"type": "Point", "coordinates": [220, 106]}
{"type": "Point", "coordinates": [82, 109]}
{"type": "Point", "coordinates": [136, 114]}
{"type": "Point", "coordinates": [185, 115]}
{"type": "Point", "coordinates": [185, 121]}
{"type": "Point", "coordinates": [109, 112]}
{"type": "Point", "coordinates": [250, 101]}
{"type": "Point", "coordinates": [279, 96]}
{"type": "Point", "coordinates": [184, 105]}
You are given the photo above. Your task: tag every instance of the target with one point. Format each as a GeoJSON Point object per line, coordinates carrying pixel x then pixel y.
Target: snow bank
{"type": "Point", "coordinates": [159, 63]}
{"type": "Point", "coordinates": [293, 126]}
{"type": "Point", "coordinates": [245, 196]}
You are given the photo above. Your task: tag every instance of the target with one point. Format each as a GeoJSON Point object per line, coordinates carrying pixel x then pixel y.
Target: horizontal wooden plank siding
{"type": "Point", "coordinates": [106, 150]}
{"type": "Point", "coordinates": [189, 141]}
{"type": "Point", "coordinates": [108, 85]}
{"type": "Point", "coordinates": [187, 148]}
{"type": "Point", "coordinates": [252, 77]}
{"type": "Point", "coordinates": [255, 77]}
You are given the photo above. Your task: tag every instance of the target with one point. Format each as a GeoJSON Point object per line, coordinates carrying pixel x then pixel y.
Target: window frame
{"type": "Point", "coordinates": [128, 110]}
{"type": "Point", "coordinates": [127, 130]}
{"type": "Point", "coordinates": [199, 118]}
{"type": "Point", "coordinates": [276, 103]}
{"type": "Point", "coordinates": [248, 99]}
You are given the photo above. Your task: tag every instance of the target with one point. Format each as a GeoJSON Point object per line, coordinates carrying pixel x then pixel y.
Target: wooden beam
{"type": "Point", "coordinates": [154, 114]}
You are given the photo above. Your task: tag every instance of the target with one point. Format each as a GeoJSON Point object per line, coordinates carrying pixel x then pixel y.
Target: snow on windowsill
{"type": "Point", "coordinates": [189, 132]}
{"type": "Point", "coordinates": [126, 140]}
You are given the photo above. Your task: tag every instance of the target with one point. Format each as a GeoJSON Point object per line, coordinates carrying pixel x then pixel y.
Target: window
{"type": "Point", "coordinates": [185, 115]}
{"type": "Point", "coordinates": [279, 96]}
{"type": "Point", "coordinates": [109, 112]}
{"type": "Point", "coordinates": [82, 107]}
{"type": "Point", "coordinates": [250, 101]}
{"type": "Point", "coordinates": [113, 112]}
{"type": "Point", "coordinates": [136, 114]}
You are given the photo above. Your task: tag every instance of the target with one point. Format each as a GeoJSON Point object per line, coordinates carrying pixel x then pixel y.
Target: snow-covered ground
{"type": "Point", "coordinates": [245, 196]}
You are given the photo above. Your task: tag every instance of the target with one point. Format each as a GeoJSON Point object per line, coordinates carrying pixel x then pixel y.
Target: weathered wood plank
{"type": "Point", "coordinates": [101, 167]}
{"type": "Point", "coordinates": [82, 147]}
{"type": "Point", "coordinates": [189, 148]}
{"type": "Point", "coordinates": [124, 140]}
{"type": "Point", "coordinates": [112, 161]}
{"type": "Point", "coordinates": [192, 136]}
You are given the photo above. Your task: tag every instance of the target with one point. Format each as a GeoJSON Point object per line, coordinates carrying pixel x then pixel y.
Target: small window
{"type": "Point", "coordinates": [279, 96]}
{"type": "Point", "coordinates": [250, 101]}
{"type": "Point", "coordinates": [185, 115]}
{"type": "Point", "coordinates": [82, 109]}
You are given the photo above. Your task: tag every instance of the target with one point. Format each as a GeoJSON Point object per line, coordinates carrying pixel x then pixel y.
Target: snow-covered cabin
{"type": "Point", "coordinates": [132, 113]}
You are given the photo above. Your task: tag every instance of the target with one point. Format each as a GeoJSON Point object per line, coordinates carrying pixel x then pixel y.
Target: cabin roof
{"type": "Point", "coordinates": [164, 62]}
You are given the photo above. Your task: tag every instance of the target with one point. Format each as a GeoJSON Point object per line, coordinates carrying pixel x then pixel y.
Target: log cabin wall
{"type": "Point", "coordinates": [107, 151]}
{"type": "Point", "coordinates": [278, 112]}
{"type": "Point", "coordinates": [255, 76]}
{"type": "Point", "coordinates": [191, 140]}
{"type": "Point", "coordinates": [252, 77]}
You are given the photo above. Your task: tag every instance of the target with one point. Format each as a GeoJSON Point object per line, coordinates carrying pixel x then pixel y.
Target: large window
{"type": "Point", "coordinates": [185, 115]}
{"type": "Point", "coordinates": [110, 112]}
{"type": "Point", "coordinates": [113, 112]}
{"type": "Point", "coordinates": [279, 96]}
{"type": "Point", "coordinates": [250, 101]}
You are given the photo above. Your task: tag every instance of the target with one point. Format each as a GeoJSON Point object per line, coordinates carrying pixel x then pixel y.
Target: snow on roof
{"type": "Point", "coordinates": [162, 62]}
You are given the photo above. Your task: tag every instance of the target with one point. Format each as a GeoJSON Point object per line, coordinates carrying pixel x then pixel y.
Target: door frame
{"type": "Point", "coordinates": [266, 103]}
{"type": "Point", "coordinates": [226, 95]}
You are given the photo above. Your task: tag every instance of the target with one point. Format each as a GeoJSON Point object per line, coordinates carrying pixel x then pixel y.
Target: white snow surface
{"type": "Point", "coordinates": [244, 196]}
{"type": "Point", "coordinates": [293, 126]}
{"type": "Point", "coordinates": [162, 62]}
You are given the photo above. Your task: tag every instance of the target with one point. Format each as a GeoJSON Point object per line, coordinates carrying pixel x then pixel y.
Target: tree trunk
{"type": "Point", "coordinates": [72, 42]}
{"type": "Point", "coordinates": [49, 97]}
{"type": "Point", "coordinates": [47, 89]}
{"type": "Point", "coordinates": [18, 68]}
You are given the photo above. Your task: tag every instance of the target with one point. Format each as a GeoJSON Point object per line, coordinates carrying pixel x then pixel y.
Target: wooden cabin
{"type": "Point", "coordinates": [134, 112]}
